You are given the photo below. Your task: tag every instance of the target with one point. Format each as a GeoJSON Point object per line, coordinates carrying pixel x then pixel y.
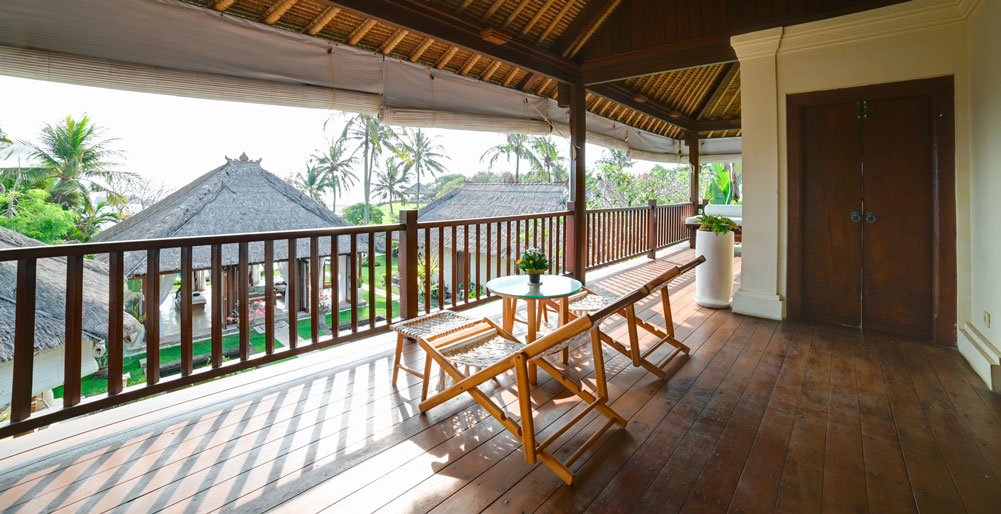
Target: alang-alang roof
{"type": "Point", "coordinates": [235, 198]}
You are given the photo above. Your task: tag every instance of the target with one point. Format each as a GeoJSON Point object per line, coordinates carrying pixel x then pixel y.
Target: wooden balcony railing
{"type": "Point", "coordinates": [426, 266]}
{"type": "Point", "coordinates": [615, 235]}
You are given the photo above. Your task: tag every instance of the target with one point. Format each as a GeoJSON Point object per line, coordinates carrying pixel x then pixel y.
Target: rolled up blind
{"type": "Point", "coordinates": [105, 73]}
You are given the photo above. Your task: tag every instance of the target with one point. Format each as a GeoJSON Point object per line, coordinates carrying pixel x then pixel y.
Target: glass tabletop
{"type": "Point", "coordinates": [550, 286]}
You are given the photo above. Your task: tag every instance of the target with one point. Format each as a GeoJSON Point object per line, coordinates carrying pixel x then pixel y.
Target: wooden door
{"type": "Point", "coordinates": [899, 202]}
{"type": "Point", "coordinates": [831, 249]}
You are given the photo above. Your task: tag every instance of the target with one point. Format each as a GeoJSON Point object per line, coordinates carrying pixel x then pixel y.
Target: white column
{"type": "Point", "coordinates": [763, 244]}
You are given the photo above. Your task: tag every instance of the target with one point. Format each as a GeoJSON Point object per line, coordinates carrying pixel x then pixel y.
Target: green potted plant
{"type": "Point", "coordinates": [714, 279]}
{"type": "Point", "coordinates": [535, 263]}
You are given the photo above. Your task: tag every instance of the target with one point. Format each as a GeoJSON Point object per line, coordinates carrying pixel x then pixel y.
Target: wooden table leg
{"type": "Point", "coordinates": [533, 329]}
{"type": "Point", "coordinates": [508, 309]}
{"type": "Point", "coordinates": [564, 318]}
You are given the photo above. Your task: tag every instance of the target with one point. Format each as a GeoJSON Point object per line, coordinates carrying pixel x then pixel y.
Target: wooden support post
{"type": "Point", "coordinates": [74, 330]}
{"type": "Point", "coordinates": [218, 316]}
{"type": "Point", "coordinates": [577, 224]}
{"type": "Point", "coordinates": [186, 322]}
{"type": "Point", "coordinates": [116, 315]}
{"type": "Point", "coordinates": [152, 316]}
{"type": "Point", "coordinates": [408, 264]}
{"type": "Point", "coordinates": [651, 231]}
{"type": "Point", "coordinates": [693, 158]}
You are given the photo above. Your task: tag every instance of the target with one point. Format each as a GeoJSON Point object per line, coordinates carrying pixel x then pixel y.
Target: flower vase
{"type": "Point", "coordinates": [535, 278]}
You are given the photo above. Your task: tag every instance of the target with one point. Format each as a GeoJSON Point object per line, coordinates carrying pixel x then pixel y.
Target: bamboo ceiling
{"type": "Point", "coordinates": [712, 91]}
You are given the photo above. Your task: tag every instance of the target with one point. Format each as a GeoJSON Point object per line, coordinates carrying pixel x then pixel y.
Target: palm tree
{"type": "Point", "coordinates": [547, 158]}
{"type": "Point", "coordinates": [420, 154]}
{"type": "Point", "coordinates": [336, 166]}
{"type": "Point", "coordinates": [313, 182]}
{"type": "Point", "coordinates": [515, 145]}
{"type": "Point", "coordinates": [75, 162]}
{"type": "Point", "coordinates": [93, 218]}
{"type": "Point", "coordinates": [370, 136]}
{"type": "Point", "coordinates": [391, 182]}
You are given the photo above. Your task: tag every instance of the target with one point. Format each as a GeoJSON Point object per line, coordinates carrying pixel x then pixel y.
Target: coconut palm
{"type": "Point", "coordinates": [75, 162]}
{"type": "Point", "coordinates": [514, 145]}
{"type": "Point", "coordinates": [391, 183]}
{"type": "Point", "coordinates": [93, 218]}
{"type": "Point", "coordinates": [420, 155]}
{"type": "Point", "coordinates": [313, 182]}
{"type": "Point", "coordinates": [336, 166]}
{"type": "Point", "coordinates": [371, 137]}
{"type": "Point", "coordinates": [548, 162]}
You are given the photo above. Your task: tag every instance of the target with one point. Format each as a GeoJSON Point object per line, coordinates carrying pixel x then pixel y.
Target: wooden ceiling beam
{"type": "Point", "coordinates": [594, 13]}
{"type": "Point", "coordinates": [321, 21]}
{"type": "Point", "coordinates": [430, 21]}
{"type": "Point", "coordinates": [276, 11]}
{"type": "Point", "coordinates": [222, 5]}
{"type": "Point", "coordinates": [714, 125]}
{"type": "Point", "coordinates": [715, 90]}
{"type": "Point", "coordinates": [670, 57]}
{"type": "Point", "coordinates": [530, 80]}
{"type": "Point", "coordinates": [510, 77]}
{"type": "Point", "coordinates": [623, 95]}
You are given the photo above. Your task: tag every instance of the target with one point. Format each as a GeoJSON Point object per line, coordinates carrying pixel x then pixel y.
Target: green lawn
{"type": "Point", "coordinates": [393, 217]}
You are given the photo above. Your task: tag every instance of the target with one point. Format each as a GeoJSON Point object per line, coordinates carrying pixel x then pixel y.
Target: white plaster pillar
{"type": "Point", "coordinates": [760, 286]}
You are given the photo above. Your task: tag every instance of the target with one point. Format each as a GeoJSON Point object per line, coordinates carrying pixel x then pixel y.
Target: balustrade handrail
{"type": "Point", "coordinates": [74, 249]}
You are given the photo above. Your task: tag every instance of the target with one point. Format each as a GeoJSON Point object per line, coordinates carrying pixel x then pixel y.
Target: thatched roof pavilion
{"type": "Point", "coordinates": [50, 302]}
{"type": "Point", "coordinates": [237, 197]}
{"type": "Point", "coordinates": [476, 201]}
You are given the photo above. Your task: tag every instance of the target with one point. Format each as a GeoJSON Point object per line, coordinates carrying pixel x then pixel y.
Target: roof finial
{"type": "Point", "coordinates": [243, 158]}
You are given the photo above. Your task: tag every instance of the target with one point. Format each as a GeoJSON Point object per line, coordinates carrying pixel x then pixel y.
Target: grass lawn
{"type": "Point", "coordinates": [393, 217]}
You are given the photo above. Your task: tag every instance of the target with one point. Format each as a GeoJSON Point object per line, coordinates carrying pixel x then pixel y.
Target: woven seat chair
{"type": "Point", "coordinates": [426, 328]}
{"type": "Point", "coordinates": [495, 351]}
{"type": "Point", "coordinates": [587, 301]}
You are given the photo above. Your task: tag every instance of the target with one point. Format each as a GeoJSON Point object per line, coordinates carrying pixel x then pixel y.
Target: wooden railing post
{"type": "Point", "coordinates": [651, 231]}
{"type": "Point", "coordinates": [408, 264]}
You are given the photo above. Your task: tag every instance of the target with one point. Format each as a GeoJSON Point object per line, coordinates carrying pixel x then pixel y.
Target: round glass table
{"type": "Point", "coordinates": [516, 287]}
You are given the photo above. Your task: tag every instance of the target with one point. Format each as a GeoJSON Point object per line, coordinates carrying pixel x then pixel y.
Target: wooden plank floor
{"type": "Point", "coordinates": [764, 416]}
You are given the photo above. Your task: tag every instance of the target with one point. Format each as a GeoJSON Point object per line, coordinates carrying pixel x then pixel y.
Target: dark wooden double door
{"type": "Point", "coordinates": [868, 213]}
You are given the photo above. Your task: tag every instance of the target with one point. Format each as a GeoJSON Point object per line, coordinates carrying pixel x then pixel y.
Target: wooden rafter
{"type": "Point", "coordinates": [510, 76]}
{"type": "Point", "coordinates": [276, 11]}
{"type": "Point", "coordinates": [419, 51]}
{"type": "Point", "coordinates": [556, 21]}
{"type": "Point", "coordinates": [717, 88]}
{"type": "Point", "coordinates": [360, 32]}
{"type": "Point", "coordinates": [584, 24]}
{"type": "Point", "coordinates": [321, 21]}
{"type": "Point", "coordinates": [490, 71]}
{"type": "Point", "coordinates": [530, 80]}
{"type": "Point", "coordinates": [623, 95]}
{"type": "Point", "coordinates": [464, 5]}
{"type": "Point", "coordinates": [393, 40]}
{"type": "Point", "coordinates": [222, 5]}
{"type": "Point", "coordinates": [443, 61]}
{"type": "Point", "coordinates": [430, 21]}
{"type": "Point", "coordinates": [537, 16]}
{"type": "Point", "coordinates": [514, 14]}
{"type": "Point", "coordinates": [491, 10]}
{"type": "Point", "coordinates": [469, 64]}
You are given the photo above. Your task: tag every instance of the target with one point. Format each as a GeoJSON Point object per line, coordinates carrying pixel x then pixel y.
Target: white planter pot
{"type": "Point", "coordinates": [714, 278]}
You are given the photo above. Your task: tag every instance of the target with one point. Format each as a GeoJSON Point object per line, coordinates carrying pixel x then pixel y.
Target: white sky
{"type": "Point", "coordinates": [174, 140]}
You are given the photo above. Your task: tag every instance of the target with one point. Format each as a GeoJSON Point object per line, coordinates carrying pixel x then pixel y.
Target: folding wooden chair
{"type": "Point", "coordinates": [495, 351]}
{"type": "Point", "coordinates": [426, 328]}
{"type": "Point", "coordinates": [588, 301]}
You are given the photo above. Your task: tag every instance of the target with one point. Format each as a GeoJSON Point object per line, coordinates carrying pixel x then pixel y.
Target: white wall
{"type": "Point", "coordinates": [978, 342]}
{"type": "Point", "coordinates": [914, 40]}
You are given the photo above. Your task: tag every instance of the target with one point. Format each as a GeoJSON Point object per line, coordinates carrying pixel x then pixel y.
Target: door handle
{"type": "Point", "coordinates": [855, 216]}
{"type": "Point", "coordinates": [870, 217]}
